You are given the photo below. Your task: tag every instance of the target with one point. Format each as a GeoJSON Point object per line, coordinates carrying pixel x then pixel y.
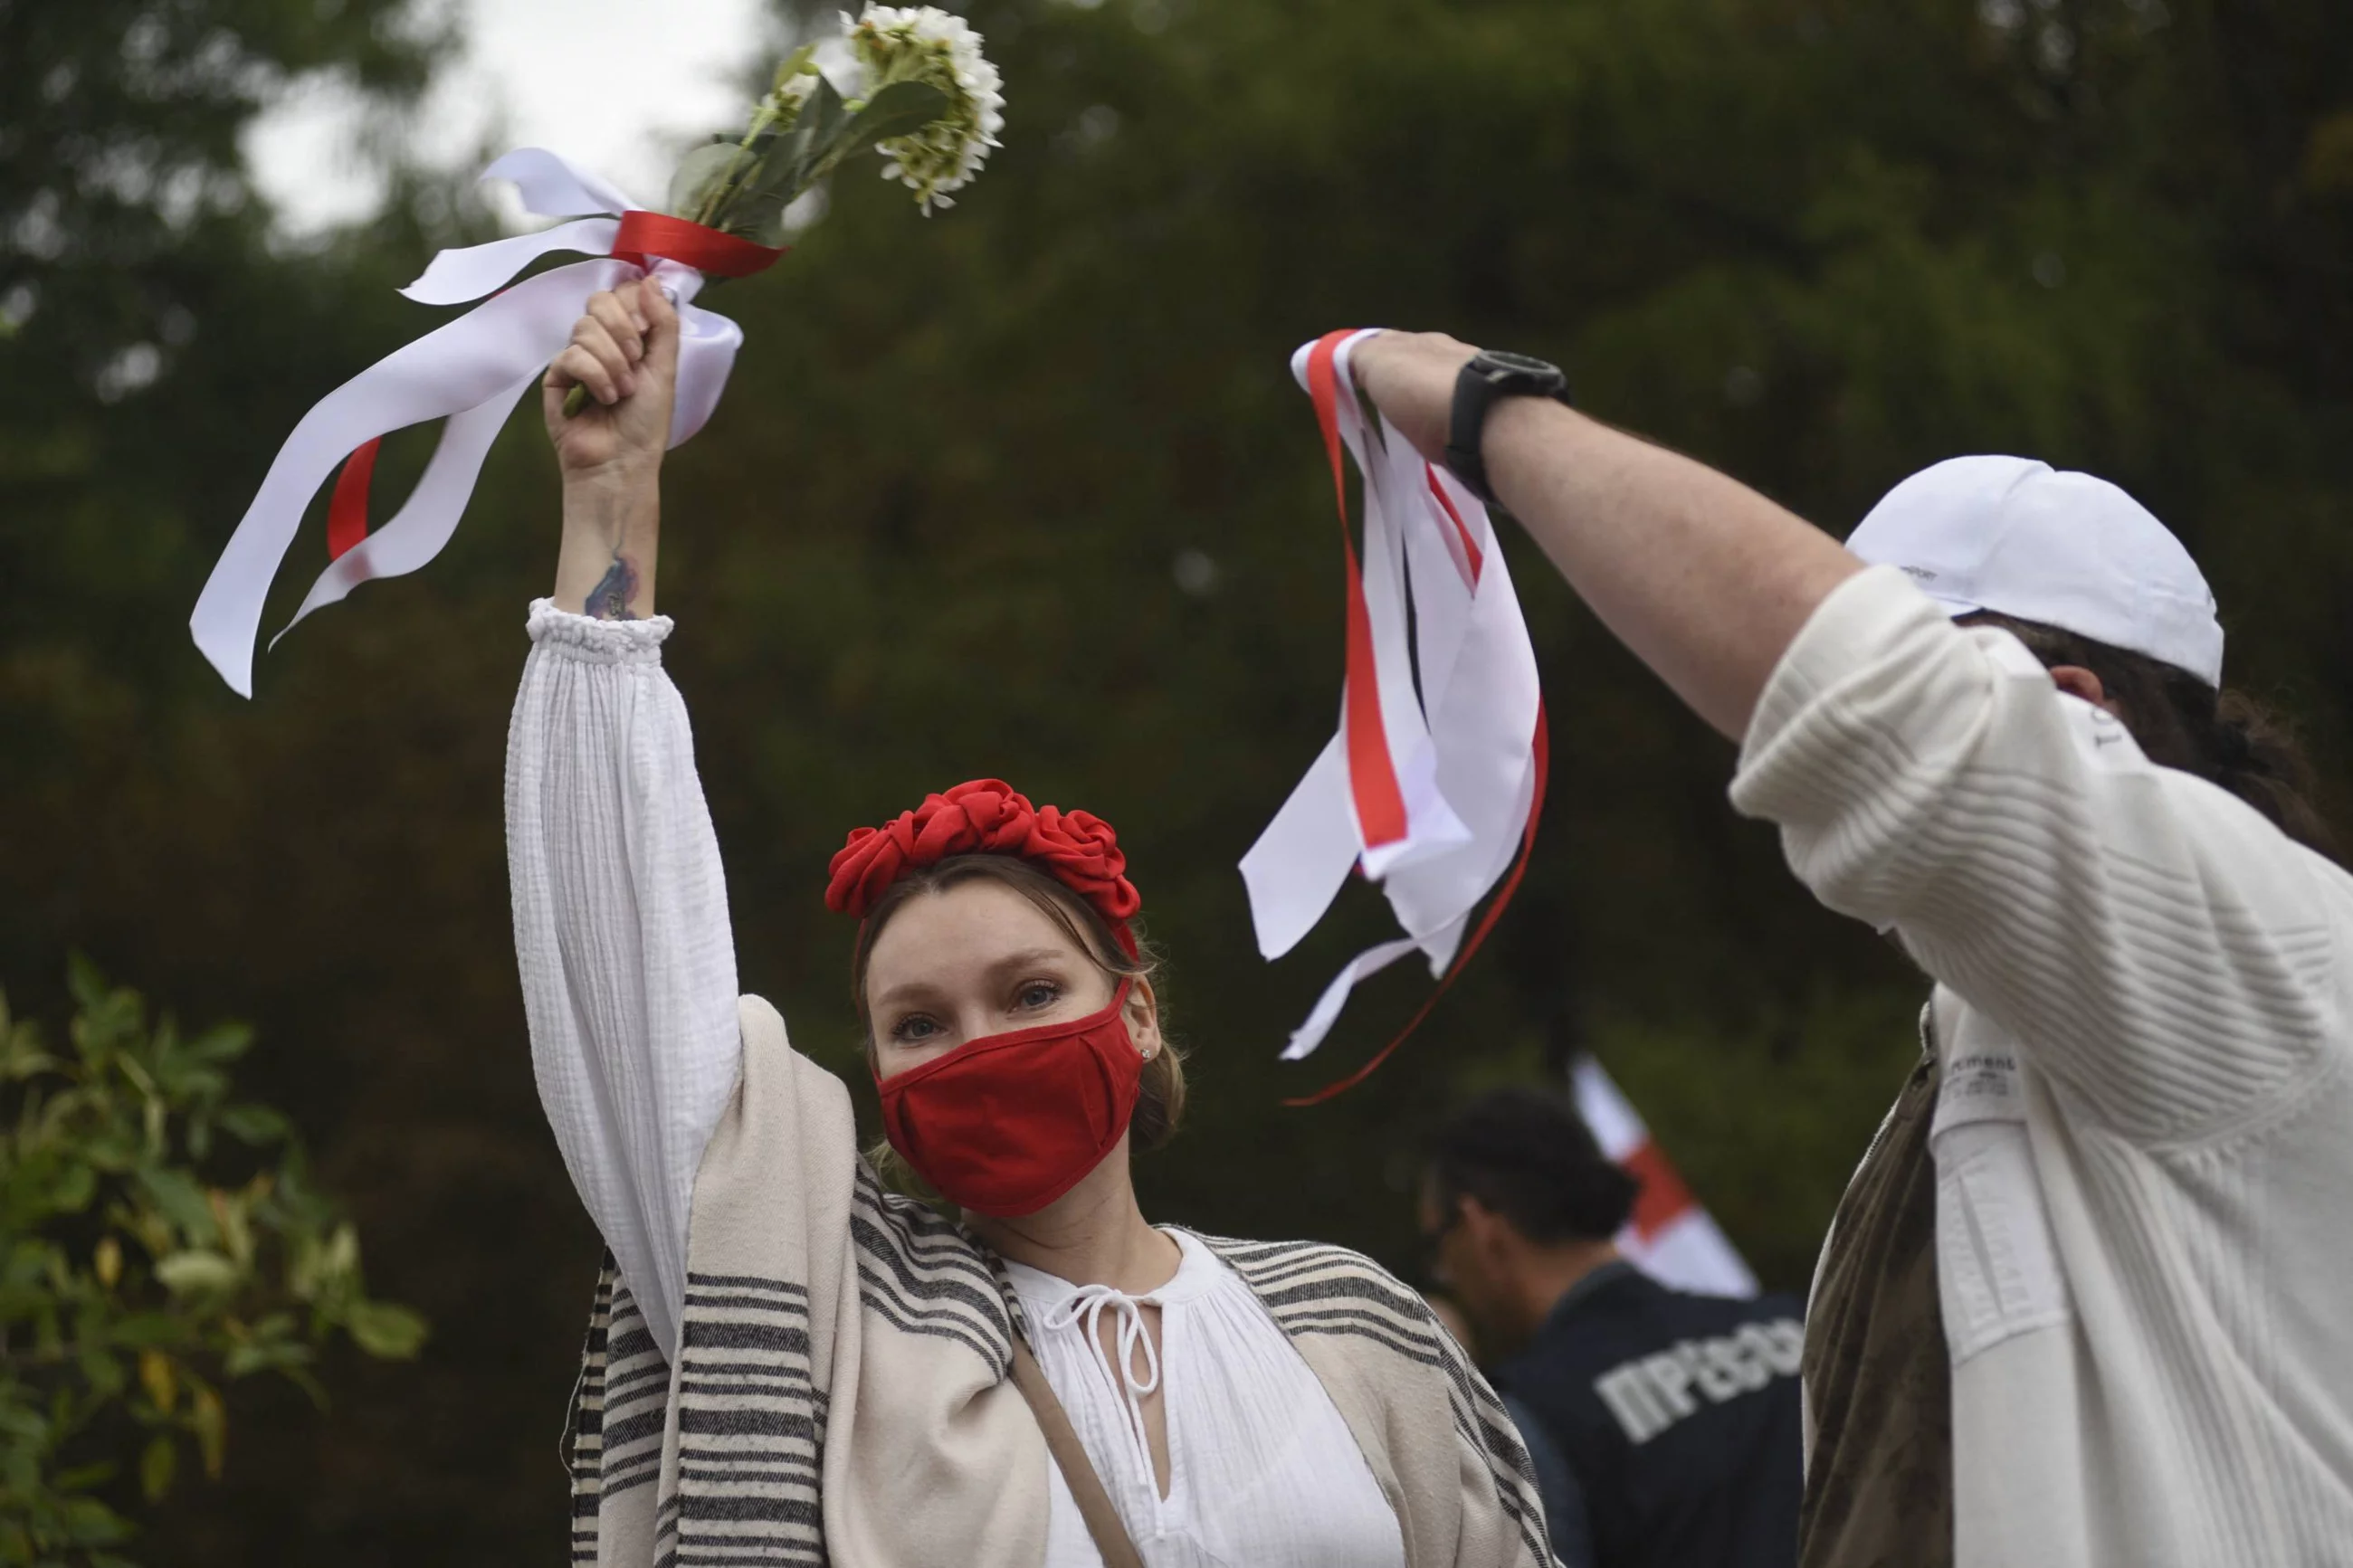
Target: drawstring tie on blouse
{"type": "Point", "coordinates": [1085, 1309]}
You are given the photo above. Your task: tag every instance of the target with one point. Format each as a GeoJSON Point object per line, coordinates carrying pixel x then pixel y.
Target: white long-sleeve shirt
{"type": "Point", "coordinates": [2143, 1143]}
{"type": "Point", "coordinates": [622, 934]}
{"type": "Point", "coordinates": [628, 974]}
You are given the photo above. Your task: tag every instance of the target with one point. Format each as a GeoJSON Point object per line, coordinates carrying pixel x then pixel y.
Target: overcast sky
{"type": "Point", "coordinates": [612, 84]}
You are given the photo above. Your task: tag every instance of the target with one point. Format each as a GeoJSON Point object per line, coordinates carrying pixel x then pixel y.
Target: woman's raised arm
{"type": "Point", "coordinates": [625, 352]}
{"type": "Point", "coordinates": [620, 902]}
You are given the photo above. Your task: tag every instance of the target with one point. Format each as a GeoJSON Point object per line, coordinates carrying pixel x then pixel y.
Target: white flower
{"type": "Point", "coordinates": [924, 43]}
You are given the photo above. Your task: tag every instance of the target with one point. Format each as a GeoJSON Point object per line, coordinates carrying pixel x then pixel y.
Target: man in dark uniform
{"type": "Point", "coordinates": [1675, 1415]}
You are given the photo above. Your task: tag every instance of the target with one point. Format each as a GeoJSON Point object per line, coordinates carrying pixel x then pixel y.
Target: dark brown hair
{"type": "Point", "coordinates": [2226, 738]}
{"type": "Point", "coordinates": [1527, 1155]}
{"type": "Point", "coordinates": [1160, 1095]}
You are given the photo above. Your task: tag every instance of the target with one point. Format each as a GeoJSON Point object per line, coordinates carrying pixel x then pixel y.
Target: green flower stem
{"type": "Point", "coordinates": [576, 400]}
{"type": "Point", "coordinates": [706, 214]}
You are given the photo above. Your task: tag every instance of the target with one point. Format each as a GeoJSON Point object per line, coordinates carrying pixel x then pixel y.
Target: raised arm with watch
{"type": "Point", "coordinates": [2138, 1064]}
{"type": "Point", "coordinates": [1705, 580]}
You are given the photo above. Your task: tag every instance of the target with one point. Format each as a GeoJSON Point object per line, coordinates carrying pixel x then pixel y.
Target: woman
{"type": "Point", "coordinates": [787, 1363]}
{"type": "Point", "coordinates": [2084, 1299]}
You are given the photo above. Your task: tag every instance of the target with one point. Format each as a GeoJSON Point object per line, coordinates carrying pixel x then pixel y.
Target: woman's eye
{"type": "Point", "coordinates": [915, 1028]}
{"type": "Point", "coordinates": [1040, 993]}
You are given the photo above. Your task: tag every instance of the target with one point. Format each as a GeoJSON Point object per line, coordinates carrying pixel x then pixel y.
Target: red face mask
{"type": "Point", "coordinates": [1004, 1125]}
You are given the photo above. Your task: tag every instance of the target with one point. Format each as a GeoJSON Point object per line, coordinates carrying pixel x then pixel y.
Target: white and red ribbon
{"type": "Point", "coordinates": [1434, 781]}
{"type": "Point", "coordinates": [471, 371]}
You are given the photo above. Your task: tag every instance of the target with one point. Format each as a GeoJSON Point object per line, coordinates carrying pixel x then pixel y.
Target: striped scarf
{"type": "Point", "coordinates": [848, 1400]}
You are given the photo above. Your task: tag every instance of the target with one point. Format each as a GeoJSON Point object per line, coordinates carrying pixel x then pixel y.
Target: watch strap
{"type": "Point", "coordinates": [1483, 380]}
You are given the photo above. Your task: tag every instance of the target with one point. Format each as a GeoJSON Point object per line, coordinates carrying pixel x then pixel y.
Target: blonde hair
{"type": "Point", "coordinates": [1160, 1092]}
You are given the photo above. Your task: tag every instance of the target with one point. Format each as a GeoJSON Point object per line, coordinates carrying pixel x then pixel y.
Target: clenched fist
{"type": "Point", "coordinates": [1410, 378]}
{"type": "Point", "coordinates": [625, 352]}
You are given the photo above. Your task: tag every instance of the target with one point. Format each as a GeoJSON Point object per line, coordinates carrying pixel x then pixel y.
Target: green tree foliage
{"type": "Point", "coordinates": [140, 297]}
{"type": "Point", "coordinates": [157, 1239]}
{"type": "Point", "coordinates": [1025, 491]}
{"type": "Point", "coordinates": [121, 185]}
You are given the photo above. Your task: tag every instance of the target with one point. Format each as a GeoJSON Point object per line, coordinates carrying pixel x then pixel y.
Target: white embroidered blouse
{"type": "Point", "coordinates": [628, 972]}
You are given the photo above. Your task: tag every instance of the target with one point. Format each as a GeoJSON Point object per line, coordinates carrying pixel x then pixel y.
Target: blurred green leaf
{"type": "Point", "coordinates": [83, 978]}
{"type": "Point", "coordinates": [894, 111]}
{"type": "Point", "coordinates": [386, 1330]}
{"type": "Point", "coordinates": [156, 1465]}
{"type": "Point", "coordinates": [91, 1524]}
{"type": "Point", "coordinates": [74, 1187]}
{"type": "Point", "coordinates": [221, 1043]}
{"type": "Point", "coordinates": [102, 1370]}
{"type": "Point", "coordinates": [253, 1124]}
{"type": "Point", "coordinates": [19, 1421]}
{"type": "Point", "coordinates": [185, 1272]}
{"type": "Point", "coordinates": [83, 1478]}
{"type": "Point", "coordinates": [182, 1201]}
{"type": "Point", "coordinates": [699, 176]}
{"type": "Point", "coordinates": [788, 164]}
{"type": "Point", "coordinates": [276, 1355]}
{"type": "Point", "coordinates": [209, 1421]}
{"type": "Point", "coordinates": [146, 1329]}
{"type": "Point", "coordinates": [823, 118]}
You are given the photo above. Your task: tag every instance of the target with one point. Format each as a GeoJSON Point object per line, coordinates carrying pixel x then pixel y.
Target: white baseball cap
{"type": "Point", "coordinates": [2022, 539]}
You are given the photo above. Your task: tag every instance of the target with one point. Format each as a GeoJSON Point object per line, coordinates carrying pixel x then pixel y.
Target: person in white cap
{"type": "Point", "coordinates": [2089, 1298]}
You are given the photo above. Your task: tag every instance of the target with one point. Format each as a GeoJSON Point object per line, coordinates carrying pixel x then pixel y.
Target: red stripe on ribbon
{"type": "Point", "coordinates": [1470, 550]}
{"type": "Point", "coordinates": [347, 512]}
{"type": "Point", "coordinates": [1372, 779]}
{"type": "Point", "coordinates": [645, 235]}
{"type": "Point", "coordinates": [1540, 753]}
{"type": "Point", "coordinates": [1662, 1199]}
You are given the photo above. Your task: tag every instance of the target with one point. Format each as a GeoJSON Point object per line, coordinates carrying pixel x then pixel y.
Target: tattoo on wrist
{"type": "Point", "coordinates": [609, 599]}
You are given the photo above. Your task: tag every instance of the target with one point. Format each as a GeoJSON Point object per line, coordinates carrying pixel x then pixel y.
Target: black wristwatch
{"type": "Point", "coordinates": [1490, 375]}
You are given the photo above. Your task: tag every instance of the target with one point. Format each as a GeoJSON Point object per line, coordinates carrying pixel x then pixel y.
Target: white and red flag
{"type": "Point", "coordinates": [1433, 784]}
{"type": "Point", "coordinates": [1669, 1236]}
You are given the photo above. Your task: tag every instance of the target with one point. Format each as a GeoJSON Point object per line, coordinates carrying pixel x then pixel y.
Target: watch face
{"type": "Point", "coordinates": [1519, 374]}
{"type": "Point", "coordinates": [1522, 365]}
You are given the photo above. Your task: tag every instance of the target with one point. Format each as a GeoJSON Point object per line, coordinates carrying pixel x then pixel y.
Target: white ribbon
{"type": "Point", "coordinates": [1459, 738]}
{"type": "Point", "coordinates": [472, 370]}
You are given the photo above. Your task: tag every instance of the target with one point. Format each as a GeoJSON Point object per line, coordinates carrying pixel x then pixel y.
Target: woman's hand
{"type": "Point", "coordinates": [625, 352]}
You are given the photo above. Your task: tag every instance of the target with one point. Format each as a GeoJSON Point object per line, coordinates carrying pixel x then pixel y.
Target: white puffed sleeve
{"type": "Point", "coordinates": [621, 929]}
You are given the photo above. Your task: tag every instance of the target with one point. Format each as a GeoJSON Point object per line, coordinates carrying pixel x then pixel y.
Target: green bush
{"type": "Point", "coordinates": [157, 1240]}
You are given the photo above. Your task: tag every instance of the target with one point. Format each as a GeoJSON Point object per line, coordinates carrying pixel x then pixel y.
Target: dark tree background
{"type": "Point", "coordinates": [934, 532]}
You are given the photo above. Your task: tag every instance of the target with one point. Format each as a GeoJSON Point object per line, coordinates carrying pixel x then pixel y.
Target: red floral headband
{"type": "Point", "coordinates": [988, 817]}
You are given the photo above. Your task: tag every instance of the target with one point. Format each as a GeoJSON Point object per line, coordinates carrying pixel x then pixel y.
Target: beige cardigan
{"type": "Point", "coordinates": [841, 1394]}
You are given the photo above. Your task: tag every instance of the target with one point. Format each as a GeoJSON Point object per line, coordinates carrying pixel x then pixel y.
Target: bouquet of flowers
{"type": "Point", "coordinates": [929, 103]}
{"type": "Point", "coordinates": [925, 98]}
